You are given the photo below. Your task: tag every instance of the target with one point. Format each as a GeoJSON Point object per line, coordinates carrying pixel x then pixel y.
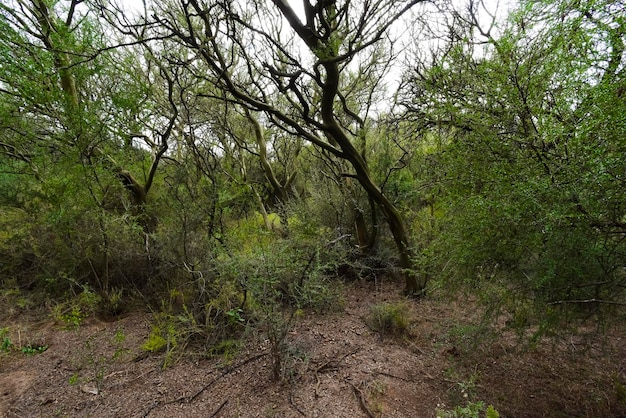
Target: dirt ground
{"type": "Point", "coordinates": [337, 366]}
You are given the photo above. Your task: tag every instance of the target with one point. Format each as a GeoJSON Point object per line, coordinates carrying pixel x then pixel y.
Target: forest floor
{"type": "Point", "coordinates": [335, 366]}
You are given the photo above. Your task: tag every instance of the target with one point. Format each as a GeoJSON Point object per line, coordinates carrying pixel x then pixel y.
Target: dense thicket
{"type": "Point", "coordinates": [528, 124]}
{"type": "Point", "coordinates": [225, 160]}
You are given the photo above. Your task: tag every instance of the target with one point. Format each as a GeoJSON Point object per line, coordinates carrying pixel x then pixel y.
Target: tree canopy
{"type": "Point", "coordinates": [251, 153]}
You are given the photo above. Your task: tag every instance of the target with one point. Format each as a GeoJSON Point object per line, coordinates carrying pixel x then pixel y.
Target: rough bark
{"type": "Point", "coordinates": [280, 190]}
{"type": "Point", "coordinates": [414, 284]}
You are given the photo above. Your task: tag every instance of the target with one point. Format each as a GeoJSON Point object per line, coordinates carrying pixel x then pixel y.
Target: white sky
{"type": "Point", "coordinates": [498, 7]}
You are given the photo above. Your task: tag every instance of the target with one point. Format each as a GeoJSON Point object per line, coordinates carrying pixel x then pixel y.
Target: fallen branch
{"type": "Point", "coordinates": [392, 375]}
{"type": "Point", "coordinates": [293, 403]}
{"type": "Point", "coordinates": [359, 393]}
{"type": "Point", "coordinates": [606, 302]}
{"type": "Point", "coordinates": [333, 364]}
{"type": "Point", "coordinates": [224, 373]}
{"type": "Point", "coordinates": [330, 365]}
{"type": "Point", "coordinates": [217, 411]}
{"type": "Point", "coordinates": [189, 399]}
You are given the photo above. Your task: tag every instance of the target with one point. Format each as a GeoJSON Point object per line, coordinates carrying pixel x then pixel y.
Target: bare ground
{"type": "Point", "coordinates": [336, 367]}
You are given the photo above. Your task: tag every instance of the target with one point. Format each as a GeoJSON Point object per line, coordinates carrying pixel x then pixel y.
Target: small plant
{"type": "Point", "coordinates": [73, 318]}
{"type": "Point", "coordinates": [468, 387]}
{"type": "Point", "coordinates": [276, 326]}
{"type": "Point", "coordinates": [74, 379]}
{"type": "Point", "coordinates": [471, 410]}
{"type": "Point", "coordinates": [620, 390]}
{"type": "Point", "coordinates": [227, 349]}
{"type": "Point", "coordinates": [119, 338]}
{"type": "Point", "coordinates": [467, 337]}
{"type": "Point", "coordinates": [76, 310]}
{"type": "Point", "coordinates": [97, 363]}
{"type": "Point", "coordinates": [32, 349]}
{"type": "Point", "coordinates": [155, 343]}
{"type": "Point", "coordinates": [390, 318]}
{"type": "Point", "coordinates": [94, 364]}
{"type": "Point", "coordinates": [295, 361]}
{"type": "Point", "coordinates": [165, 334]}
{"type": "Point", "coordinates": [6, 344]}
{"type": "Point", "coordinates": [376, 392]}
{"type": "Point", "coordinates": [235, 316]}
{"type": "Point", "coordinates": [111, 303]}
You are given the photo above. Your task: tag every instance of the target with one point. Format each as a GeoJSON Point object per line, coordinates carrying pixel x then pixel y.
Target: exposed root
{"type": "Point", "coordinates": [293, 404]}
{"type": "Point", "coordinates": [361, 397]}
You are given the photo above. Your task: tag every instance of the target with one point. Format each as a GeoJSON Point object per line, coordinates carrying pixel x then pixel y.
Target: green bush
{"type": "Point", "coordinates": [471, 410]}
{"type": "Point", "coordinates": [390, 318]}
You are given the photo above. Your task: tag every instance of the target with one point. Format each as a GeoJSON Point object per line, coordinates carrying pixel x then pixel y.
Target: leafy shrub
{"type": "Point", "coordinates": [390, 318]}
{"type": "Point", "coordinates": [76, 309]}
{"type": "Point", "coordinates": [6, 344]}
{"type": "Point", "coordinates": [471, 410]}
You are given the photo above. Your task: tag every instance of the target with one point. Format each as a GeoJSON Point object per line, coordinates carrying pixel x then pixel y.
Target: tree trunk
{"type": "Point", "coordinates": [280, 191]}
{"type": "Point", "coordinates": [362, 235]}
{"type": "Point", "coordinates": [414, 285]}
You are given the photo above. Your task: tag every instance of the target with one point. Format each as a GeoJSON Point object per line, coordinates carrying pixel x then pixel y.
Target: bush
{"type": "Point", "coordinates": [390, 318]}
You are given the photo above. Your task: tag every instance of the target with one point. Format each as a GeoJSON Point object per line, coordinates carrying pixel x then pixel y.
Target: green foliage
{"type": "Point", "coordinates": [226, 349]}
{"type": "Point", "coordinates": [508, 167]}
{"type": "Point", "coordinates": [466, 337]}
{"type": "Point", "coordinates": [118, 339]}
{"type": "Point", "coordinates": [6, 344]}
{"type": "Point", "coordinates": [235, 316]}
{"type": "Point", "coordinates": [32, 349]}
{"type": "Point", "coordinates": [74, 379]}
{"type": "Point", "coordinates": [93, 364]}
{"type": "Point", "coordinates": [620, 390]}
{"type": "Point", "coordinates": [471, 410]}
{"type": "Point", "coordinates": [390, 318]}
{"type": "Point", "coordinates": [156, 342]}
{"type": "Point", "coordinates": [169, 332]}
{"type": "Point", "coordinates": [529, 202]}
{"type": "Point", "coordinates": [466, 395]}
{"type": "Point", "coordinates": [266, 284]}
{"type": "Point", "coordinates": [74, 311]}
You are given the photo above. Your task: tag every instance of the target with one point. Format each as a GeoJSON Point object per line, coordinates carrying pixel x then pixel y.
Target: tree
{"type": "Point", "coordinates": [247, 53]}
{"type": "Point", "coordinates": [73, 107]}
{"type": "Point", "coordinates": [533, 190]}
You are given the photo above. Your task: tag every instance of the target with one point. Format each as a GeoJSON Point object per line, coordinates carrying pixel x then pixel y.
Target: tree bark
{"type": "Point", "coordinates": [414, 284]}
{"type": "Point", "coordinates": [280, 190]}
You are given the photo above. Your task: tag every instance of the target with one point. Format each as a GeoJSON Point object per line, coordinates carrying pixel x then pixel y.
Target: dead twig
{"type": "Point", "coordinates": [582, 301]}
{"type": "Point", "coordinates": [392, 375]}
{"type": "Point", "coordinates": [359, 394]}
{"type": "Point", "coordinates": [224, 373]}
{"type": "Point", "coordinates": [333, 364]}
{"type": "Point", "coordinates": [330, 365]}
{"type": "Point", "coordinates": [189, 399]}
{"type": "Point", "coordinates": [293, 404]}
{"type": "Point", "coordinates": [217, 411]}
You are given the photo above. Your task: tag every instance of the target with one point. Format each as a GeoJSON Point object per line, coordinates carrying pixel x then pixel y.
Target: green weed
{"type": "Point", "coordinates": [32, 349]}
{"type": "Point", "coordinates": [471, 410]}
{"type": "Point", "coordinates": [74, 379]}
{"type": "Point", "coordinates": [390, 318]}
{"type": "Point", "coordinates": [73, 312]}
{"type": "Point", "coordinates": [6, 344]}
